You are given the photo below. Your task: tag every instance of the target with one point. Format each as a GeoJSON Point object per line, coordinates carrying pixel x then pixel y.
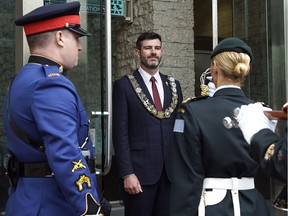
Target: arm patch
{"type": "Point", "coordinates": [179, 126]}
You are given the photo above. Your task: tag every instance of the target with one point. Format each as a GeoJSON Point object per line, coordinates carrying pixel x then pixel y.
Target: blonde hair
{"type": "Point", "coordinates": [234, 65]}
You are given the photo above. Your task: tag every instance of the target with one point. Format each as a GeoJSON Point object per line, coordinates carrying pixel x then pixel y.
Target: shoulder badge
{"type": "Point", "coordinates": [188, 100]}
{"type": "Point", "coordinates": [270, 152]}
{"type": "Point", "coordinates": [195, 99]}
{"type": "Point", "coordinates": [51, 71]}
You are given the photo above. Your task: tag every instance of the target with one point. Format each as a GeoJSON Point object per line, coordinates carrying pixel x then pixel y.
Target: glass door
{"type": "Point", "coordinates": [93, 80]}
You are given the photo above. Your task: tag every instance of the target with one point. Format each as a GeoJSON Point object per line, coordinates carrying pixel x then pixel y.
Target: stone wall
{"type": "Point", "coordinates": [7, 47]}
{"type": "Point", "coordinates": [173, 20]}
{"type": "Point", "coordinates": [7, 70]}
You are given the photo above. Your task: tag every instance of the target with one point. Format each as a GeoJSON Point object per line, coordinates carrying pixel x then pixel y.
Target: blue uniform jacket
{"type": "Point", "coordinates": [46, 106]}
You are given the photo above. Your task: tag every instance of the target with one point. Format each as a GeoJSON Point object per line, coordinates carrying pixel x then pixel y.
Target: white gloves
{"type": "Point", "coordinates": [211, 87]}
{"type": "Point", "coordinates": [252, 119]}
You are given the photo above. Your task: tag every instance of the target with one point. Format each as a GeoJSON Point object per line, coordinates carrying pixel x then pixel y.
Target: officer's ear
{"type": "Point", "coordinates": [213, 68]}
{"type": "Point", "coordinates": [59, 35]}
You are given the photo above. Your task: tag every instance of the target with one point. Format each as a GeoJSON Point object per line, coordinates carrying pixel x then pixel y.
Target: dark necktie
{"type": "Point", "coordinates": [156, 96]}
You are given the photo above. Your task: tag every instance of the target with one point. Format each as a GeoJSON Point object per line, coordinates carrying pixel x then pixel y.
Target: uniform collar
{"type": "Point", "coordinates": [227, 86]}
{"type": "Point", "coordinates": [229, 91]}
{"type": "Point", "coordinates": [38, 59]}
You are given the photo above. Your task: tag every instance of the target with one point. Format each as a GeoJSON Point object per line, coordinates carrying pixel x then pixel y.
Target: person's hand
{"type": "Point", "coordinates": [211, 86]}
{"type": "Point", "coordinates": [251, 119]}
{"type": "Point", "coordinates": [132, 184]}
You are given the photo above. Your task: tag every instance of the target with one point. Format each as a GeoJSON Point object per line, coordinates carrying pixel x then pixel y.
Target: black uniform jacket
{"type": "Point", "coordinates": [204, 148]}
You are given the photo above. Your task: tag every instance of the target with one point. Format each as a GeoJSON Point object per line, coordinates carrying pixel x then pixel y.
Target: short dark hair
{"type": "Point", "coordinates": [41, 40]}
{"type": "Point", "coordinates": [147, 35]}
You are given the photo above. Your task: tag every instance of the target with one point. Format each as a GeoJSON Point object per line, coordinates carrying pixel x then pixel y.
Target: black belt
{"type": "Point", "coordinates": [16, 169]}
{"type": "Point", "coordinates": [40, 169]}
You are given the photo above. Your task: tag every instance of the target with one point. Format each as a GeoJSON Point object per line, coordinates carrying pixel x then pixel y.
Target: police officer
{"type": "Point", "coordinates": [51, 164]}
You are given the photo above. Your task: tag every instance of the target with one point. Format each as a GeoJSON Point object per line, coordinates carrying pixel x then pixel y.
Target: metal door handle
{"type": "Point", "coordinates": [107, 143]}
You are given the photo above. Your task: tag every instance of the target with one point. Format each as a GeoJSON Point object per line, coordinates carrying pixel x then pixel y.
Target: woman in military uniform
{"type": "Point", "coordinates": [212, 169]}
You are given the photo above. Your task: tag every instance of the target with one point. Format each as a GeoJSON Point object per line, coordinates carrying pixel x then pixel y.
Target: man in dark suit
{"type": "Point", "coordinates": [143, 131]}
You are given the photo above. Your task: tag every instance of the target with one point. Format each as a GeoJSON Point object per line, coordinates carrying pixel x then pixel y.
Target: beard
{"type": "Point", "coordinates": [149, 64]}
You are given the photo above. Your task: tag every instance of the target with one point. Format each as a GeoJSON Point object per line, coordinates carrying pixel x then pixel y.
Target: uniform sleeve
{"type": "Point", "coordinates": [120, 130]}
{"type": "Point", "coordinates": [270, 150]}
{"type": "Point", "coordinates": [56, 111]}
{"type": "Point", "coordinates": [187, 167]}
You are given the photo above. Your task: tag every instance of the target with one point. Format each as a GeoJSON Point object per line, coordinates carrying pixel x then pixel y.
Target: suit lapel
{"type": "Point", "coordinates": [167, 91]}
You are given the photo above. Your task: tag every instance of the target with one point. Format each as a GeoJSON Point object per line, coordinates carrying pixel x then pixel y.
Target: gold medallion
{"type": "Point", "coordinates": [150, 107]}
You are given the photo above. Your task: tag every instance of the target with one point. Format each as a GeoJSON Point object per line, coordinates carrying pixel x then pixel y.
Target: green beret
{"type": "Point", "coordinates": [232, 44]}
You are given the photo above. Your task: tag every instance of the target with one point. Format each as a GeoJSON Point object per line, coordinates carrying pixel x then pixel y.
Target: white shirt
{"type": "Point", "coordinates": [227, 86]}
{"type": "Point", "coordinates": [146, 77]}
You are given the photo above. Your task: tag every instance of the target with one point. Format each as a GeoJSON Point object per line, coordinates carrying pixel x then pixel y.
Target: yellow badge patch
{"type": "Point", "coordinates": [83, 179]}
{"type": "Point", "coordinates": [270, 152]}
{"type": "Point", "coordinates": [78, 165]}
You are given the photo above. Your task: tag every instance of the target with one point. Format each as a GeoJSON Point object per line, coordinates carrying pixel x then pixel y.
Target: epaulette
{"type": "Point", "coordinates": [188, 100]}
{"type": "Point", "coordinates": [194, 99]}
